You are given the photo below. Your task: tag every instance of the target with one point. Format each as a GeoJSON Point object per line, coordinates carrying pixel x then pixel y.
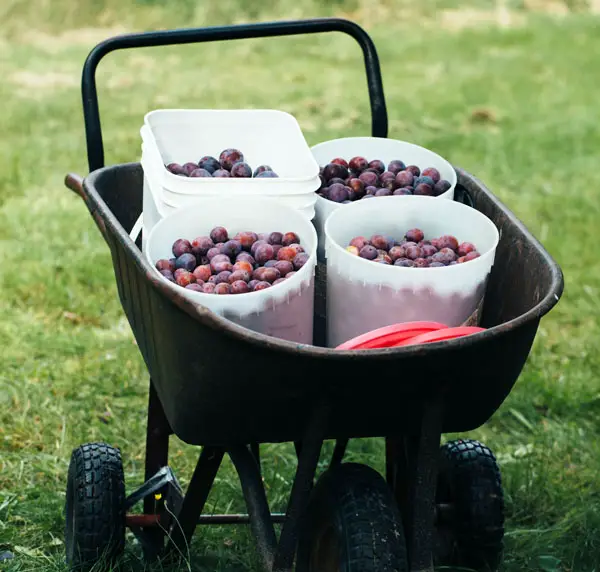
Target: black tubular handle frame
{"type": "Point", "coordinates": [91, 113]}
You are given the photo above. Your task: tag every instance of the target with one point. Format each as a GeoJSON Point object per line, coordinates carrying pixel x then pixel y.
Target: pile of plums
{"type": "Point", "coordinates": [413, 251]}
{"type": "Point", "coordinates": [230, 164]}
{"type": "Point", "coordinates": [346, 181]}
{"type": "Point", "coordinates": [248, 262]}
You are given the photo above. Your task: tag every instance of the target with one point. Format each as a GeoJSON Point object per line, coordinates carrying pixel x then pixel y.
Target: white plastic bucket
{"type": "Point", "coordinates": [363, 295]}
{"type": "Point", "coordinates": [264, 137]}
{"type": "Point", "coordinates": [283, 311]}
{"type": "Point", "coordinates": [372, 148]}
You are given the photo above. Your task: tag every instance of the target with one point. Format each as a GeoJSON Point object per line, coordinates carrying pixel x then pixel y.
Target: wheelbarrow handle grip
{"type": "Point", "coordinates": [95, 147]}
{"type": "Point", "coordinates": [75, 183]}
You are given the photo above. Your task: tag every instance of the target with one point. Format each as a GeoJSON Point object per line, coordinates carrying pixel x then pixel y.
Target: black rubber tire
{"type": "Point", "coordinates": [469, 479]}
{"type": "Point", "coordinates": [352, 524]}
{"type": "Point", "coordinates": [95, 507]}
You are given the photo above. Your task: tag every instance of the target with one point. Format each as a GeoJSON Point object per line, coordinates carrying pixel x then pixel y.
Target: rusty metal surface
{"type": "Point", "coordinates": [371, 393]}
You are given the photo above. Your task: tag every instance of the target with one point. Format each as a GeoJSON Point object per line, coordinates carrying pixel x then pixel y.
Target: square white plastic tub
{"type": "Point", "coordinates": [264, 137]}
{"type": "Point", "coordinates": [372, 148]}
{"type": "Point", "coordinates": [284, 311]}
{"type": "Point", "coordinates": [363, 295]}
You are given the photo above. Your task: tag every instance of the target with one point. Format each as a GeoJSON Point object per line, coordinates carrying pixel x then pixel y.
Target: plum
{"type": "Point", "coordinates": [404, 179]}
{"type": "Point", "coordinates": [261, 286]}
{"type": "Point", "coordinates": [397, 252]}
{"type": "Point", "coordinates": [446, 241]}
{"type": "Point", "coordinates": [221, 173]}
{"type": "Point", "coordinates": [338, 193]}
{"type": "Point", "coordinates": [267, 175]}
{"type": "Point", "coordinates": [396, 166]}
{"type": "Point", "coordinates": [195, 287]}
{"type": "Point", "coordinates": [229, 157]}
{"type": "Point", "coordinates": [414, 170]}
{"type": "Point", "coordinates": [247, 239]}
{"type": "Point", "coordinates": [377, 165]}
{"type": "Point", "coordinates": [258, 243]}
{"type": "Point", "coordinates": [368, 252]}
{"type": "Point", "coordinates": [202, 273]}
{"type": "Point", "coordinates": [212, 252]}
{"type": "Point", "coordinates": [290, 238]}
{"type": "Point", "coordinates": [278, 281]}
{"type": "Point", "coordinates": [353, 250]}
{"type": "Point", "coordinates": [209, 288]}
{"type": "Point", "coordinates": [284, 266]}
{"type": "Point", "coordinates": [445, 256]}
{"type": "Point", "coordinates": [423, 180]}
{"type": "Point", "coordinates": [441, 187]}
{"type": "Point", "coordinates": [231, 248]}
{"type": "Point", "coordinates": [421, 263]}
{"type": "Point", "coordinates": [187, 261]}
{"type": "Point", "coordinates": [261, 169]}
{"type": "Point", "coordinates": [369, 178]}
{"type": "Point", "coordinates": [401, 192]}
{"type": "Point", "coordinates": [358, 187]}
{"type": "Point", "coordinates": [276, 248]}
{"type": "Point", "coordinates": [266, 274]}
{"type": "Point", "coordinates": [300, 260]}
{"type": "Point", "coordinates": [239, 287]}
{"type": "Point", "coordinates": [222, 276]}
{"type": "Point", "coordinates": [220, 265]}
{"type": "Point", "coordinates": [383, 193]}
{"type": "Point", "coordinates": [286, 253]}
{"type": "Point", "coordinates": [183, 277]}
{"type": "Point", "coordinates": [359, 242]}
{"type": "Point", "coordinates": [332, 170]}
{"type": "Point", "coordinates": [433, 173]}
{"type": "Point", "coordinates": [414, 252]}
{"type": "Point", "coordinates": [219, 234]}
{"type": "Point", "coordinates": [189, 168]}
{"type": "Point", "coordinates": [358, 164]}
{"type": "Point", "coordinates": [370, 190]}
{"type": "Point", "coordinates": [386, 175]}
{"type": "Point", "coordinates": [241, 170]}
{"type": "Point", "coordinates": [201, 245]}
{"type": "Point", "coordinates": [414, 235]}
{"type": "Point", "coordinates": [223, 288]}
{"type": "Point", "coordinates": [434, 264]}
{"type": "Point", "coordinates": [472, 255]}
{"type": "Point", "coordinates": [336, 180]}
{"type": "Point", "coordinates": [176, 169]}
{"type": "Point", "coordinates": [252, 284]}
{"type": "Point", "coordinates": [340, 161]}
{"type": "Point", "coordinates": [380, 242]}
{"type": "Point", "coordinates": [164, 264]}
{"type": "Point", "coordinates": [209, 163]}
{"type": "Point", "coordinates": [263, 253]}
{"type": "Point", "coordinates": [275, 238]}
{"type": "Point", "coordinates": [199, 173]}
{"type": "Point", "coordinates": [428, 250]}
{"type": "Point", "coordinates": [464, 248]}
{"type": "Point", "coordinates": [181, 246]}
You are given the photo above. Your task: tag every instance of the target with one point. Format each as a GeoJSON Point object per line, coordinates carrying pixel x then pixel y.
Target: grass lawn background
{"type": "Point", "coordinates": [508, 91]}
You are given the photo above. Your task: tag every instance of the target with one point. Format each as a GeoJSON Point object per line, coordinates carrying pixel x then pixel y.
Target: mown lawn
{"type": "Point", "coordinates": [509, 93]}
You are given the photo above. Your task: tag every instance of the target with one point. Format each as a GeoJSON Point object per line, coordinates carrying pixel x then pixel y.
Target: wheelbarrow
{"type": "Point", "coordinates": [434, 505]}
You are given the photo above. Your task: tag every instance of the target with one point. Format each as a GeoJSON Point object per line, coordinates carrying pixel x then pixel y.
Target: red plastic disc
{"type": "Point", "coordinates": [391, 336]}
{"type": "Point", "coordinates": [441, 335]}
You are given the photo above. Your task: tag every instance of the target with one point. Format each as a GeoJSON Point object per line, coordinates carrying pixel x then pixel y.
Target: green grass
{"type": "Point", "coordinates": [70, 370]}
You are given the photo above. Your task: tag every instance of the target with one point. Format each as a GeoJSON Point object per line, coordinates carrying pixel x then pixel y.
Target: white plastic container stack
{"type": "Point", "coordinates": [372, 148]}
{"type": "Point", "coordinates": [363, 295]}
{"type": "Point", "coordinates": [264, 137]}
{"type": "Point", "coordinates": [283, 311]}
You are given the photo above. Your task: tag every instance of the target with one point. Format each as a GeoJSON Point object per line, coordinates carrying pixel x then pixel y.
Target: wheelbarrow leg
{"type": "Point", "coordinates": [195, 498]}
{"type": "Point", "coordinates": [157, 454]}
{"type": "Point", "coordinates": [412, 463]}
{"type": "Point", "coordinates": [309, 452]}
